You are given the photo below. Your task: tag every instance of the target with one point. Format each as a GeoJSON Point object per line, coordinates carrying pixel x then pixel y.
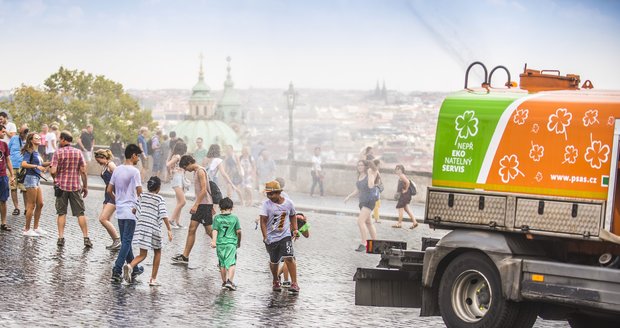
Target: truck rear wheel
{"type": "Point", "coordinates": [470, 294]}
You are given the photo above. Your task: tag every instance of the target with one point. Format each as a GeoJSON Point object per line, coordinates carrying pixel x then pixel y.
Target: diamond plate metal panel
{"type": "Point", "coordinates": [465, 208]}
{"type": "Point", "coordinates": [557, 217]}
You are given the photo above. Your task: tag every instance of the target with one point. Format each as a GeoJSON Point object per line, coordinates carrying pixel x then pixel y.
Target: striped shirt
{"type": "Point", "coordinates": [150, 212]}
{"type": "Point", "coordinates": [68, 161]}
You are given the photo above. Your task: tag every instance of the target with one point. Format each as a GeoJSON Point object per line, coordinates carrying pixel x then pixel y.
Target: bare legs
{"type": "Point", "coordinates": [191, 236]}
{"type": "Point", "coordinates": [227, 274]}
{"type": "Point", "coordinates": [400, 215]}
{"type": "Point", "coordinates": [34, 205]}
{"type": "Point", "coordinates": [247, 191]}
{"type": "Point", "coordinates": [156, 260]}
{"type": "Point", "coordinates": [290, 263]}
{"type": "Point", "coordinates": [176, 213]}
{"type": "Point", "coordinates": [365, 224]}
{"type": "Point", "coordinates": [62, 220]}
{"type": "Point", "coordinates": [104, 219]}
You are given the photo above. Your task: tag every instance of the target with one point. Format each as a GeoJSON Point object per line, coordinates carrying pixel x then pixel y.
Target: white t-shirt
{"type": "Point", "coordinates": [126, 178]}
{"type": "Point", "coordinates": [10, 127]}
{"type": "Point", "coordinates": [214, 168]}
{"type": "Point", "coordinates": [316, 163]}
{"type": "Point", "coordinates": [50, 138]}
{"type": "Point", "coordinates": [278, 219]}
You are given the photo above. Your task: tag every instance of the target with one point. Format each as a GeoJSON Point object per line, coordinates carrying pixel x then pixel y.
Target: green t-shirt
{"type": "Point", "coordinates": [226, 226]}
{"type": "Point", "coordinates": [199, 155]}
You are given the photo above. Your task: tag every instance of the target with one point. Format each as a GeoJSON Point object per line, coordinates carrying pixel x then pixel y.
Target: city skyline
{"type": "Point", "coordinates": [411, 45]}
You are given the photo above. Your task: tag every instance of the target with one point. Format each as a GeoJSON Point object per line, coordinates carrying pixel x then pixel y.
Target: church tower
{"type": "Point", "coordinates": [229, 106]}
{"type": "Point", "coordinates": [201, 104]}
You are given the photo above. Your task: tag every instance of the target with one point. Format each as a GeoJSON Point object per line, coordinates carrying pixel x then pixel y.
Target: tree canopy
{"type": "Point", "coordinates": [73, 99]}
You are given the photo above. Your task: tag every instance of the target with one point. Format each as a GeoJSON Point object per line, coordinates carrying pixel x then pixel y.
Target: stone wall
{"type": "Point", "coordinates": [340, 179]}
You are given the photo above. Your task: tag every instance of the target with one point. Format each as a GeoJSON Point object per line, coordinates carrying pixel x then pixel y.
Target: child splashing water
{"type": "Point", "coordinates": [150, 212]}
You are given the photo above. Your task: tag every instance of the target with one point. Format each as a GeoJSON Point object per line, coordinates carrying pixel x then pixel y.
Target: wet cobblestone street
{"type": "Point", "coordinates": [42, 285]}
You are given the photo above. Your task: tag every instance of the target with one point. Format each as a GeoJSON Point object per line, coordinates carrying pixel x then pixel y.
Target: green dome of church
{"type": "Point", "coordinates": [211, 131]}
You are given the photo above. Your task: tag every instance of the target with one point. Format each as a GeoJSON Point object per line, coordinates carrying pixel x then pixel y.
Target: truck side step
{"type": "Point", "coordinates": [393, 288]}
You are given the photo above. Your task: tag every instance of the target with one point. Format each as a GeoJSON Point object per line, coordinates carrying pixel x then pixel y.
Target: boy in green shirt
{"type": "Point", "coordinates": [226, 239]}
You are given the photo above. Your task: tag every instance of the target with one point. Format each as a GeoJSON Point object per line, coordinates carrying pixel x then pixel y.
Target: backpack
{"type": "Point", "coordinates": [413, 190]}
{"type": "Point", "coordinates": [214, 190]}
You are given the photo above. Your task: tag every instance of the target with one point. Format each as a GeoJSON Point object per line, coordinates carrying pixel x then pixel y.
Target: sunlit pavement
{"type": "Point", "coordinates": [42, 285]}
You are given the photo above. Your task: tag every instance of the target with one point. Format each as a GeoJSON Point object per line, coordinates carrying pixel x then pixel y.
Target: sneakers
{"type": "Point", "coordinates": [360, 248]}
{"type": "Point", "coordinates": [286, 284]}
{"type": "Point", "coordinates": [116, 245]}
{"type": "Point", "coordinates": [61, 242]}
{"type": "Point", "coordinates": [224, 287]}
{"type": "Point", "coordinates": [127, 270]}
{"type": "Point", "coordinates": [154, 282]}
{"type": "Point", "coordinates": [276, 286]}
{"type": "Point", "coordinates": [136, 272]}
{"type": "Point", "coordinates": [180, 259]}
{"type": "Point", "coordinates": [116, 278]}
{"type": "Point", "coordinates": [5, 227]}
{"type": "Point", "coordinates": [40, 231]}
{"type": "Point", "coordinates": [294, 289]}
{"type": "Point", "coordinates": [30, 233]}
{"type": "Point", "coordinates": [230, 285]}
{"type": "Point", "coordinates": [87, 242]}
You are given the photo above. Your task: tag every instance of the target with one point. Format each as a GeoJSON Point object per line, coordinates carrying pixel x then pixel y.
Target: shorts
{"type": "Point", "coordinates": [177, 180]}
{"type": "Point", "coordinates": [370, 204]}
{"type": "Point", "coordinates": [74, 198]}
{"type": "Point", "coordinates": [226, 255]}
{"type": "Point", "coordinates": [280, 249]}
{"type": "Point", "coordinates": [204, 214]}
{"type": "Point", "coordinates": [32, 181]}
{"type": "Point", "coordinates": [16, 185]}
{"type": "Point", "coordinates": [4, 188]}
{"type": "Point", "coordinates": [107, 199]}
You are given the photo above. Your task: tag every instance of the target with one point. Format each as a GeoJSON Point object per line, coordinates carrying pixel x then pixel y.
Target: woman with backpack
{"type": "Point", "coordinates": [366, 188]}
{"type": "Point", "coordinates": [404, 195]}
{"type": "Point", "coordinates": [214, 165]}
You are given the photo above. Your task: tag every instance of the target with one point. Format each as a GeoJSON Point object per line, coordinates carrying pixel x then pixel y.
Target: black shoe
{"type": "Point", "coordinates": [87, 242]}
{"type": "Point", "coordinates": [230, 285]}
{"type": "Point", "coordinates": [61, 242]}
{"type": "Point", "coordinates": [5, 227]}
{"type": "Point", "coordinates": [116, 278]}
{"type": "Point", "coordinates": [180, 259]}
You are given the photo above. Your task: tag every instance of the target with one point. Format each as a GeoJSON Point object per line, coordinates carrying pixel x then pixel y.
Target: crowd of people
{"type": "Point", "coordinates": [28, 157]}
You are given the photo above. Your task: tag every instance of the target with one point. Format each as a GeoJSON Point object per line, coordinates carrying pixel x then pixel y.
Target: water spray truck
{"type": "Point", "coordinates": [526, 181]}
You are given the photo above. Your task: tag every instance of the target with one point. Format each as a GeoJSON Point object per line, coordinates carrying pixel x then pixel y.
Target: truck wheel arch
{"type": "Point", "coordinates": [499, 247]}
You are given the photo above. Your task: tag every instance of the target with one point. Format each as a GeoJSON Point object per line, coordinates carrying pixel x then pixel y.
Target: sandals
{"type": "Point", "coordinates": [16, 211]}
{"type": "Point", "coordinates": [413, 226]}
{"type": "Point", "coordinates": [398, 226]}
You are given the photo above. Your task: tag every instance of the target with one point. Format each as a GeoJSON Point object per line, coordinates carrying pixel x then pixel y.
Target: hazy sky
{"type": "Point", "coordinates": [337, 44]}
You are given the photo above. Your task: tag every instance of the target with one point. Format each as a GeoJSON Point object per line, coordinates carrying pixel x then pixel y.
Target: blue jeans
{"type": "Point", "coordinates": [125, 254]}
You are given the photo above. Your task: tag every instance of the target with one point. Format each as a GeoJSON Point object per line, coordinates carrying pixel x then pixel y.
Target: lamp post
{"type": "Point", "coordinates": [291, 96]}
